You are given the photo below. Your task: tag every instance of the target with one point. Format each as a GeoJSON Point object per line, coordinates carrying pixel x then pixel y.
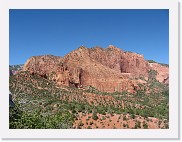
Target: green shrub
{"type": "Point", "coordinates": [145, 126]}
{"type": "Point", "coordinates": [151, 61]}
{"type": "Point", "coordinates": [35, 120]}
{"type": "Point", "coordinates": [89, 127]}
{"type": "Point", "coordinates": [80, 123]}
{"type": "Point", "coordinates": [94, 116]}
{"type": "Point", "coordinates": [133, 116]}
{"type": "Point", "coordinates": [137, 124]}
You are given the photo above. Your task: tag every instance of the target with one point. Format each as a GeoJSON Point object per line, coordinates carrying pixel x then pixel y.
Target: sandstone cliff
{"type": "Point", "coordinates": [107, 69]}
{"type": "Point", "coordinates": [162, 72]}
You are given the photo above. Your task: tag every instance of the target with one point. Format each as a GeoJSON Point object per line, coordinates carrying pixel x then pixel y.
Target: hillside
{"type": "Point", "coordinates": [90, 88]}
{"type": "Point", "coordinates": [14, 69]}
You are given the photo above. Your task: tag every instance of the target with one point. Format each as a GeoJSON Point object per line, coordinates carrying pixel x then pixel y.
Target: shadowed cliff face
{"type": "Point", "coordinates": [108, 70]}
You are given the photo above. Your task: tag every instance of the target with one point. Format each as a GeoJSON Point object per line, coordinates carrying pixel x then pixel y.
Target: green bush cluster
{"type": "Point", "coordinates": [24, 120]}
{"type": "Point", "coordinates": [94, 116]}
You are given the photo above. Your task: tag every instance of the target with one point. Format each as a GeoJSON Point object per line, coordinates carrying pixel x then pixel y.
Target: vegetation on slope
{"type": "Point", "coordinates": [42, 105]}
{"type": "Point", "coordinates": [152, 61]}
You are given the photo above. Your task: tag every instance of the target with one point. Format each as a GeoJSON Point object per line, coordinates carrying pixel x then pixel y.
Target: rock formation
{"type": "Point", "coordinates": [162, 72]}
{"type": "Point", "coordinates": [108, 70]}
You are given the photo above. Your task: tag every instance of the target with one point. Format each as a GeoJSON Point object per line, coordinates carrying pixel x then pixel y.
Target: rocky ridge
{"type": "Point", "coordinates": [107, 69]}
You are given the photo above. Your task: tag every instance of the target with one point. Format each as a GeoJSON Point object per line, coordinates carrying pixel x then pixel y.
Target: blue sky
{"type": "Point", "coordinates": [58, 32]}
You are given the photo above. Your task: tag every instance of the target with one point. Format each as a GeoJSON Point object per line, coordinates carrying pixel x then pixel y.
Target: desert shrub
{"type": "Point", "coordinates": [94, 116]}
{"type": "Point", "coordinates": [166, 126]}
{"type": "Point", "coordinates": [103, 118]}
{"type": "Point", "coordinates": [137, 124]}
{"type": "Point", "coordinates": [73, 111]}
{"type": "Point", "coordinates": [151, 61]}
{"type": "Point", "coordinates": [101, 110]}
{"type": "Point", "coordinates": [145, 126]}
{"type": "Point", "coordinates": [140, 93]}
{"type": "Point", "coordinates": [35, 120]}
{"type": "Point", "coordinates": [119, 111]}
{"type": "Point", "coordinates": [80, 123]}
{"type": "Point", "coordinates": [133, 116]}
{"type": "Point", "coordinates": [130, 111]}
{"type": "Point", "coordinates": [124, 125]}
{"type": "Point", "coordinates": [124, 117]}
{"type": "Point", "coordinates": [80, 108]}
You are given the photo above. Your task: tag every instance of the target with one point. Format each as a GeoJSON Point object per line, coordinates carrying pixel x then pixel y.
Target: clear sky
{"type": "Point", "coordinates": [58, 32]}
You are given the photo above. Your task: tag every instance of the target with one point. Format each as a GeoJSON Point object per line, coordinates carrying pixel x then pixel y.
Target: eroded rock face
{"type": "Point", "coordinates": [162, 72]}
{"type": "Point", "coordinates": [122, 62]}
{"type": "Point", "coordinates": [108, 70]}
{"type": "Point", "coordinates": [42, 65]}
{"type": "Point", "coordinates": [54, 68]}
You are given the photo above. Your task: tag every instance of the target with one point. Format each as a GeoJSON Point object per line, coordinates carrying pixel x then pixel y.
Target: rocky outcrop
{"type": "Point", "coordinates": [107, 69]}
{"type": "Point", "coordinates": [42, 65]}
{"type": "Point", "coordinates": [121, 61]}
{"type": "Point", "coordinates": [162, 72]}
